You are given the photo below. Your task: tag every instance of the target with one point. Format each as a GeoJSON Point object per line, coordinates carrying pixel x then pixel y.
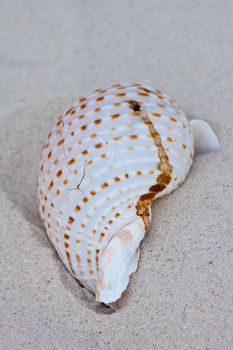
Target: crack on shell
{"type": "Point", "coordinates": [162, 180]}
{"type": "Point", "coordinates": [81, 180]}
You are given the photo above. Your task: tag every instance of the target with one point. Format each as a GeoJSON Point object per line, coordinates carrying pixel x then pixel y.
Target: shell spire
{"type": "Point", "coordinates": [108, 157]}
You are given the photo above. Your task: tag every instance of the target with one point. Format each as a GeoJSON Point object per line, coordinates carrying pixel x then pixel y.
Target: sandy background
{"type": "Point", "coordinates": [51, 53]}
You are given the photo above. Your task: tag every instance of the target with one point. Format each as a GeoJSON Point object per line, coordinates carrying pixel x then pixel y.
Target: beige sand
{"type": "Point", "coordinates": [53, 52]}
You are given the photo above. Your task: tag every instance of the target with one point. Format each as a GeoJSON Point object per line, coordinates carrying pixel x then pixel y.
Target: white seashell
{"type": "Point", "coordinates": [106, 160]}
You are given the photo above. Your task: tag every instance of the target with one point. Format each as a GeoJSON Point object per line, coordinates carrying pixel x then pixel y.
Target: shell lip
{"type": "Point", "coordinates": [119, 261]}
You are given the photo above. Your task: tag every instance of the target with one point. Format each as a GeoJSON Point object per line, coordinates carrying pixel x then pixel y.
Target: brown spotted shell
{"type": "Point", "coordinates": [108, 157]}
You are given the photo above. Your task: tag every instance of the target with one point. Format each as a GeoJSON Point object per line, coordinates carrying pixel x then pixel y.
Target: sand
{"type": "Point", "coordinates": [53, 52]}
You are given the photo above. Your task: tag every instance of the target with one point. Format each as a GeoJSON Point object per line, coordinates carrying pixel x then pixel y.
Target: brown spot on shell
{"type": "Point", "coordinates": [71, 161]}
{"type": "Point", "coordinates": [158, 115]}
{"type": "Point", "coordinates": [84, 127]}
{"type": "Point", "coordinates": [93, 193]}
{"type": "Point", "coordinates": [70, 111]}
{"type": "Point", "coordinates": [60, 142]}
{"type": "Point", "coordinates": [115, 116]}
{"type": "Point", "coordinates": [104, 185]}
{"type": "Point", "coordinates": [173, 119]}
{"type": "Point", "coordinates": [97, 121]}
{"type": "Point", "coordinates": [51, 184]}
{"type": "Point", "coordinates": [97, 257]}
{"type": "Point", "coordinates": [99, 145]}
{"type": "Point", "coordinates": [82, 99]}
{"type": "Point", "coordinates": [77, 208]}
{"type": "Point", "coordinates": [85, 152]}
{"type": "Point", "coordinates": [133, 137]}
{"type": "Point", "coordinates": [66, 236]}
{"type": "Point", "coordinates": [49, 154]}
{"type": "Point", "coordinates": [59, 173]}
{"type": "Point", "coordinates": [143, 94]}
{"type": "Point", "coordinates": [117, 179]}
{"type": "Point", "coordinates": [170, 139]}
{"type": "Point", "coordinates": [70, 220]}
{"type": "Point", "coordinates": [101, 98]}
{"type": "Point", "coordinates": [101, 237]}
{"type": "Point", "coordinates": [120, 94]}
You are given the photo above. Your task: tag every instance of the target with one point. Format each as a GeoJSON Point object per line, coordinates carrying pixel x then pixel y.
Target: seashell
{"type": "Point", "coordinates": [108, 157]}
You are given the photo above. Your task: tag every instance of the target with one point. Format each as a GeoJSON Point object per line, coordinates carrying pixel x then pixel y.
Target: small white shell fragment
{"type": "Point", "coordinates": [105, 161]}
{"type": "Point", "coordinates": [205, 139]}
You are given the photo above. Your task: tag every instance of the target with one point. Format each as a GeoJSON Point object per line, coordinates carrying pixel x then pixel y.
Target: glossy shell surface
{"type": "Point", "coordinates": [108, 157]}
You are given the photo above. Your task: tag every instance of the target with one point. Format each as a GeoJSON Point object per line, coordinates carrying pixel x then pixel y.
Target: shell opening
{"type": "Point", "coordinates": [119, 261]}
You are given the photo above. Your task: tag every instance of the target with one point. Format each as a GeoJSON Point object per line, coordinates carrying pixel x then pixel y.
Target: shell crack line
{"type": "Point", "coordinates": [162, 180]}
{"type": "Point", "coordinates": [81, 180]}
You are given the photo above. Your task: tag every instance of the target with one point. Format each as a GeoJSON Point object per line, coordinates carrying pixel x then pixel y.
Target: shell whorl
{"type": "Point", "coordinates": [106, 160]}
